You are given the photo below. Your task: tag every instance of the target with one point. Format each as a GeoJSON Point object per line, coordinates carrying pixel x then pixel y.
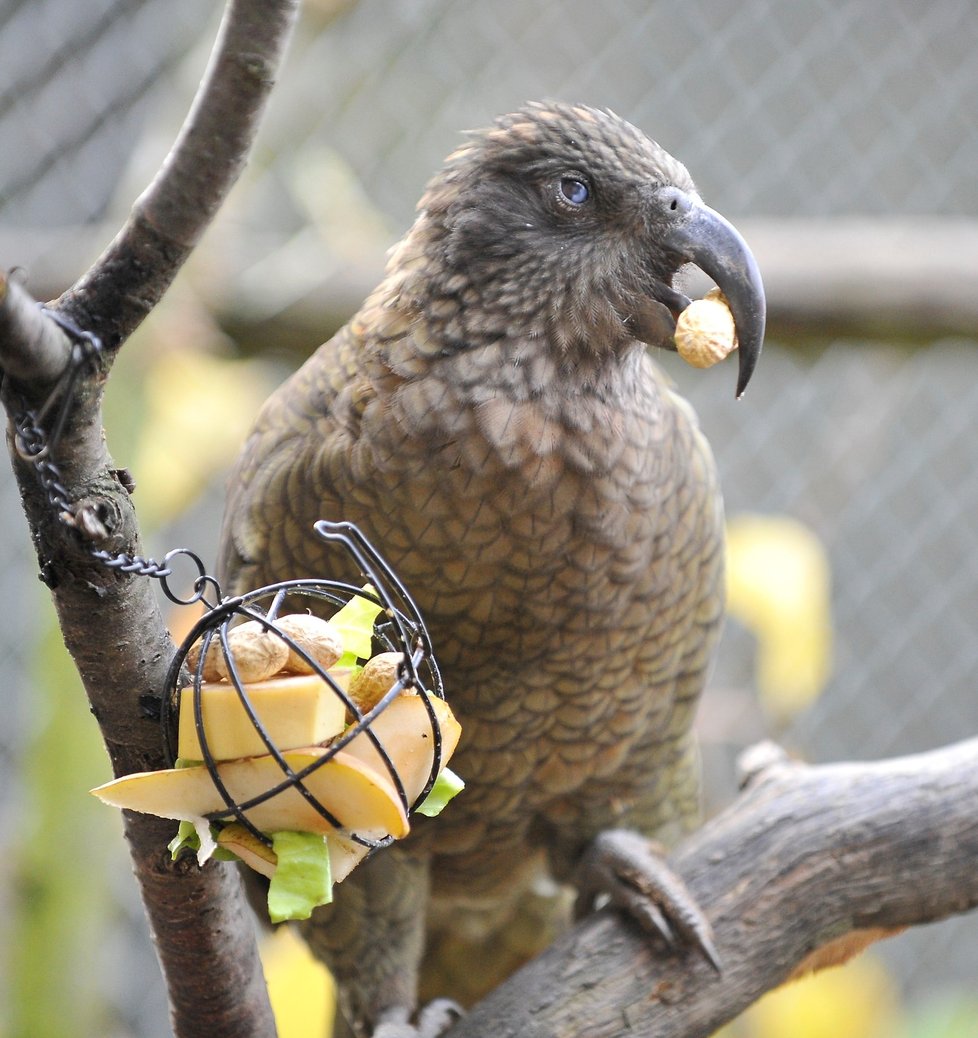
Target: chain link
{"type": "Point", "coordinates": [35, 447]}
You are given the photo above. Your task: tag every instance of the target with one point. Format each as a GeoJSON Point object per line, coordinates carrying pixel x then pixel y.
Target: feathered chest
{"type": "Point", "coordinates": [505, 486]}
{"type": "Point", "coordinates": [514, 408]}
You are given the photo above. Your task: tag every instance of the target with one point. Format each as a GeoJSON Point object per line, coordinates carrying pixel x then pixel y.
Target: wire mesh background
{"type": "Point", "coordinates": [778, 108]}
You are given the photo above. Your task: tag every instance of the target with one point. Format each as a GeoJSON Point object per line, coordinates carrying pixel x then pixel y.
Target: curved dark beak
{"type": "Point", "coordinates": [702, 236]}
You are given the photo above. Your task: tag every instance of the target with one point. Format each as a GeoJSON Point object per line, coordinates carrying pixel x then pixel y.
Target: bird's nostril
{"type": "Point", "coordinates": [672, 200]}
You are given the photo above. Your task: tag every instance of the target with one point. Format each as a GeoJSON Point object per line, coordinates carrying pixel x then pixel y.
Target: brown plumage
{"type": "Point", "coordinates": [493, 422]}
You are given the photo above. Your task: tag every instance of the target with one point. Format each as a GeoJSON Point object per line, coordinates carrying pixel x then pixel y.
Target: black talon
{"type": "Point", "coordinates": [631, 870]}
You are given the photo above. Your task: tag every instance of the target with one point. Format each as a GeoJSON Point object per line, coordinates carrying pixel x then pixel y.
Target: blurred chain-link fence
{"type": "Point", "coordinates": [822, 109]}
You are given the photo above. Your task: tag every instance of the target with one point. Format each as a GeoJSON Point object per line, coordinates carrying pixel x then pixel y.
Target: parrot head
{"type": "Point", "coordinates": [574, 218]}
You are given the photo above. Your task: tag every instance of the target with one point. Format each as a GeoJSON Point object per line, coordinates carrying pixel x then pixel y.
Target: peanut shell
{"type": "Point", "coordinates": [211, 671]}
{"type": "Point", "coordinates": [705, 331]}
{"type": "Point", "coordinates": [375, 680]}
{"type": "Point", "coordinates": [320, 639]}
{"type": "Point", "coordinates": [258, 653]}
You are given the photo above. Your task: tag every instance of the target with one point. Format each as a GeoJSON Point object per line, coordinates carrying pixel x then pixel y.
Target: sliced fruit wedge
{"type": "Point", "coordinates": [403, 728]}
{"type": "Point", "coordinates": [294, 710]}
{"type": "Point", "coordinates": [243, 843]}
{"type": "Point", "coordinates": [344, 854]}
{"type": "Point", "coordinates": [356, 794]}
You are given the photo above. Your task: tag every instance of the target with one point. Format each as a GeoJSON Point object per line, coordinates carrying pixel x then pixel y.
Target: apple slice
{"type": "Point", "coordinates": [344, 854]}
{"type": "Point", "coordinates": [403, 728]}
{"type": "Point", "coordinates": [255, 853]}
{"type": "Point", "coordinates": [294, 711]}
{"type": "Point", "coordinates": [360, 798]}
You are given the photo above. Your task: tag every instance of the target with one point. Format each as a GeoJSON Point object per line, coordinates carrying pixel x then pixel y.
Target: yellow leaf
{"type": "Point", "coordinates": [199, 409]}
{"type": "Point", "coordinates": [300, 988]}
{"type": "Point", "coordinates": [857, 1000]}
{"type": "Point", "coordinates": [779, 586]}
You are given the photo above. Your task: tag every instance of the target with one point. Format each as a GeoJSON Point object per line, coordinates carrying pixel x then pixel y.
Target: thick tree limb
{"type": "Point", "coordinates": [110, 620]}
{"type": "Point", "coordinates": [804, 856]}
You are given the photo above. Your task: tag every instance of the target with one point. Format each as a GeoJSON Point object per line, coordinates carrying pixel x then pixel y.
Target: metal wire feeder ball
{"type": "Point", "coordinates": [399, 628]}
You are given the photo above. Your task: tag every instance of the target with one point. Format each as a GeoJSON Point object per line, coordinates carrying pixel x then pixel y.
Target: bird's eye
{"type": "Point", "coordinates": [574, 190]}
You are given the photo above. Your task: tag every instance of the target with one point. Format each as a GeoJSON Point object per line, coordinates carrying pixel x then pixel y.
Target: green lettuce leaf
{"type": "Point", "coordinates": [188, 839]}
{"type": "Point", "coordinates": [355, 622]}
{"type": "Point", "coordinates": [302, 879]}
{"type": "Point", "coordinates": [447, 786]}
{"type": "Point", "coordinates": [185, 840]}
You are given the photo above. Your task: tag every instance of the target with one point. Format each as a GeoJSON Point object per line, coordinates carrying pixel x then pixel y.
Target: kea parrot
{"type": "Point", "coordinates": [492, 420]}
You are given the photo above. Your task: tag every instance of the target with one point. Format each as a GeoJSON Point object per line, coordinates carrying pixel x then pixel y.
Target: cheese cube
{"type": "Point", "coordinates": [300, 710]}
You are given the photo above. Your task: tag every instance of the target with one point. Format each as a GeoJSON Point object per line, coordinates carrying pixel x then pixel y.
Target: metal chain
{"type": "Point", "coordinates": [36, 447]}
{"type": "Point", "coordinates": [33, 446]}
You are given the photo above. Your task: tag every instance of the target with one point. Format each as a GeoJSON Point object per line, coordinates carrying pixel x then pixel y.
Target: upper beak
{"type": "Point", "coordinates": [702, 236]}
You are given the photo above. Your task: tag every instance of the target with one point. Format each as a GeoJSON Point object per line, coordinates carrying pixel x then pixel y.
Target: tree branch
{"type": "Point", "coordinates": [804, 857]}
{"type": "Point", "coordinates": [168, 219]}
{"type": "Point", "coordinates": [33, 347]}
{"type": "Point", "coordinates": [110, 620]}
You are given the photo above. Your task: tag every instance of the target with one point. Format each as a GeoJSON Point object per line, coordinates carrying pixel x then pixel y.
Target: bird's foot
{"type": "Point", "coordinates": [631, 871]}
{"type": "Point", "coordinates": [434, 1019]}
